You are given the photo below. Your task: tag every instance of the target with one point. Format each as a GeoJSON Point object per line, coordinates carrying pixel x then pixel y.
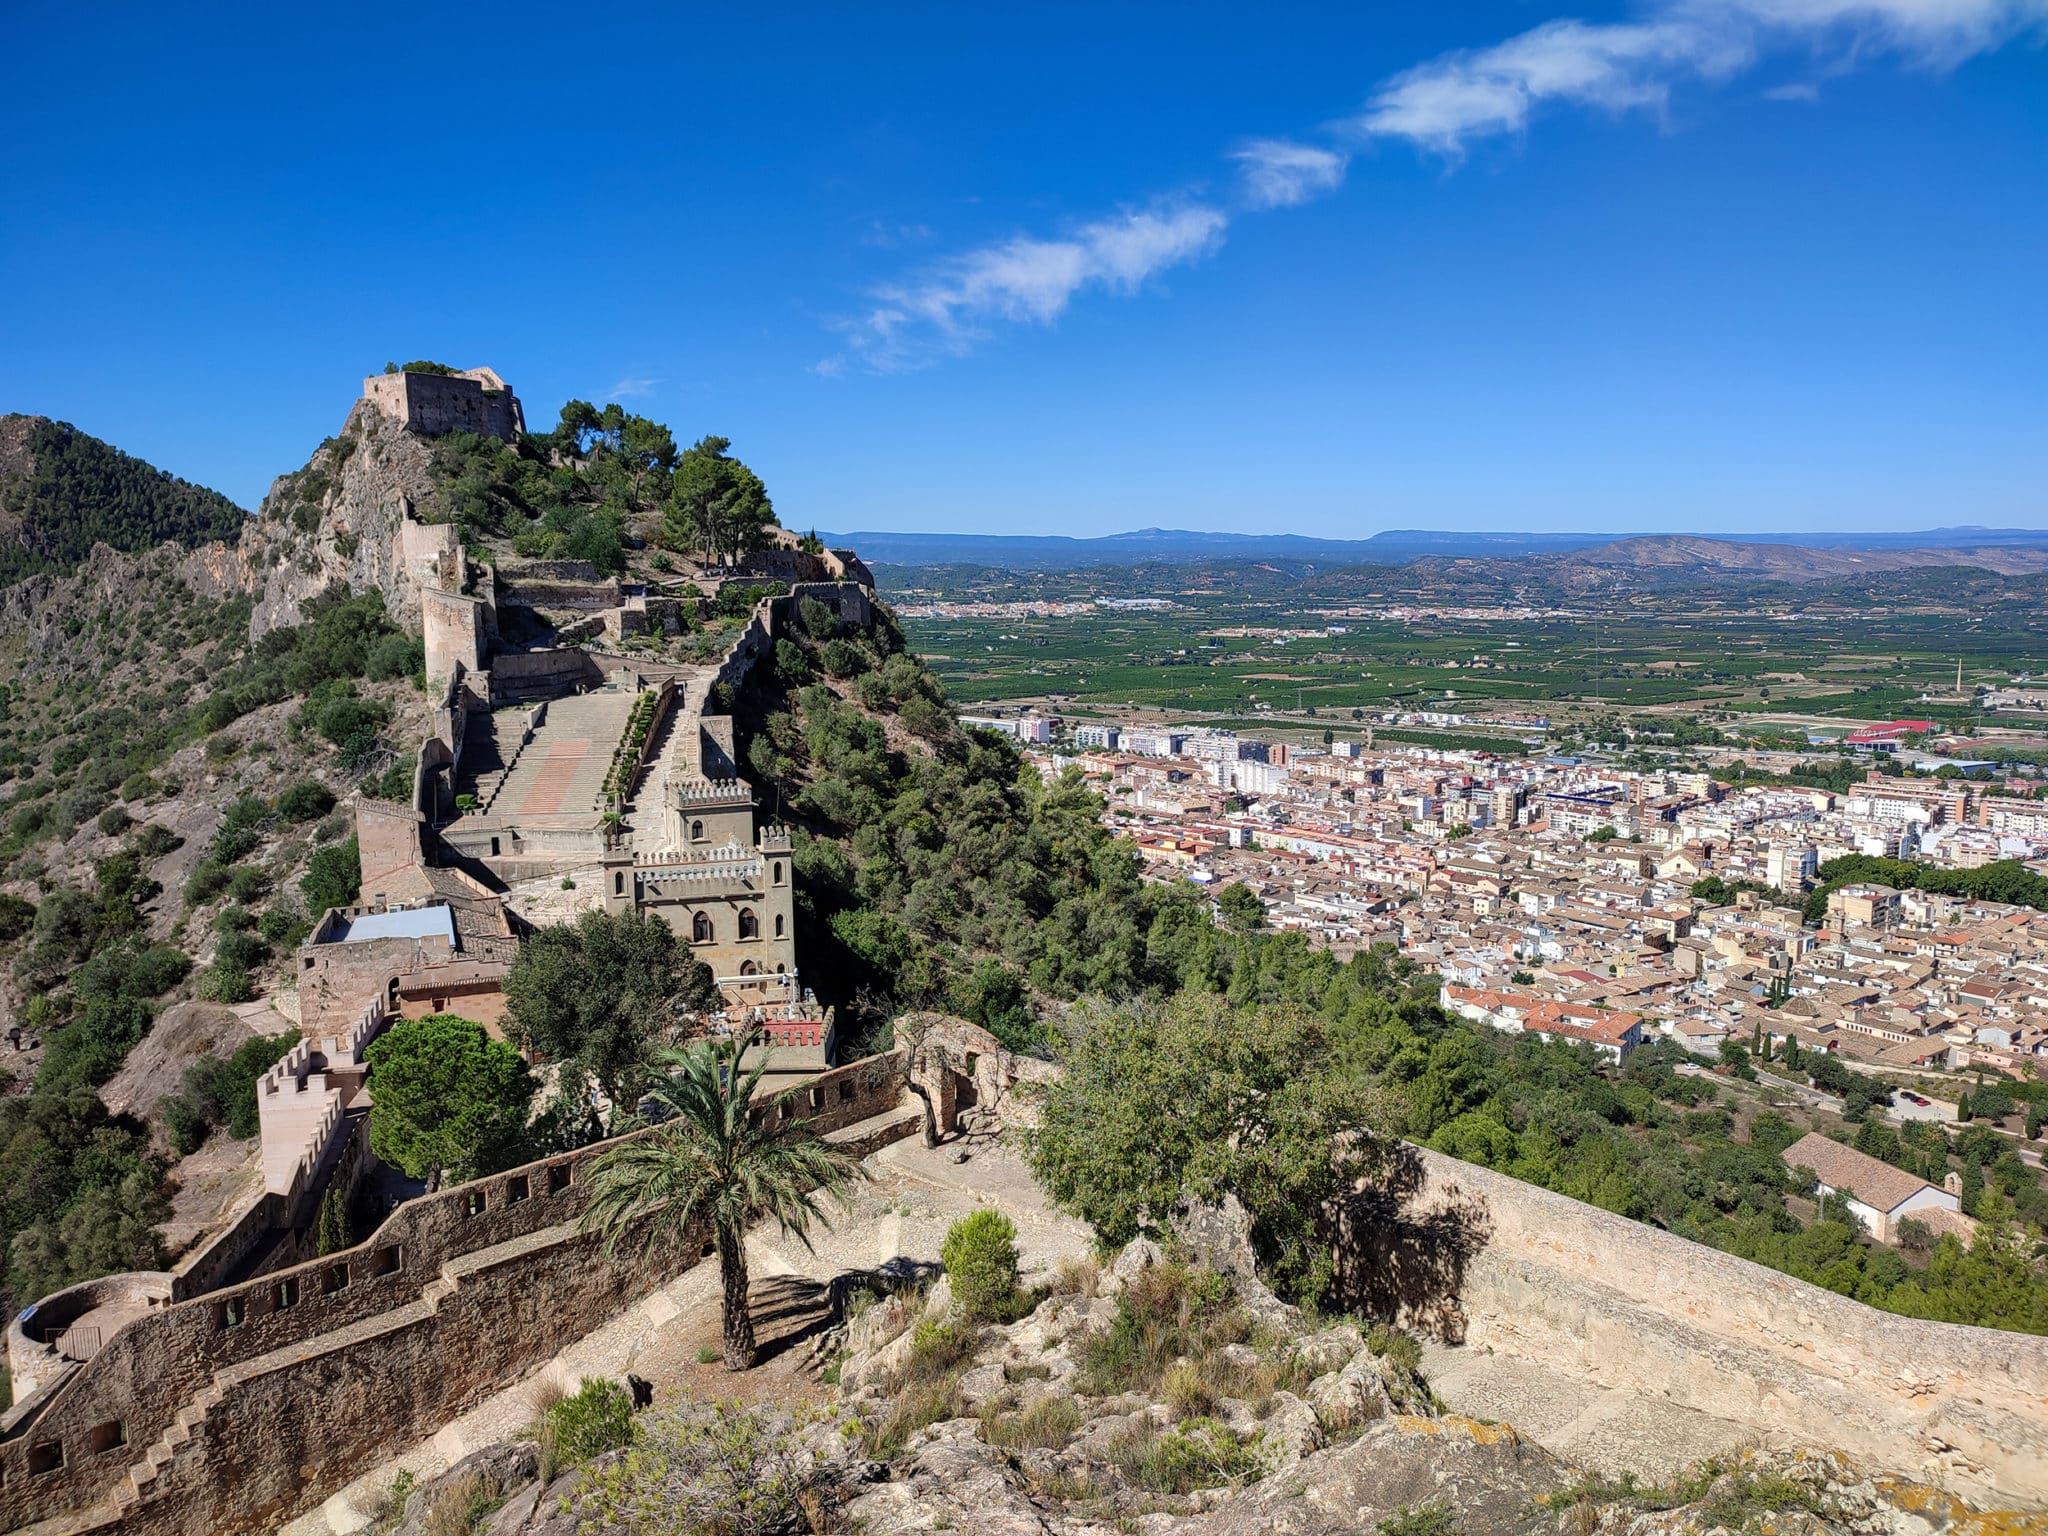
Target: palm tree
{"type": "Point", "coordinates": [714, 1156]}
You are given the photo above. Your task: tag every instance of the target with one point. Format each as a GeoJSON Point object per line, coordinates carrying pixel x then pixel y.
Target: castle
{"type": "Point", "coordinates": [434, 404]}
{"type": "Point", "coordinates": [259, 1375]}
{"type": "Point", "coordinates": [556, 760]}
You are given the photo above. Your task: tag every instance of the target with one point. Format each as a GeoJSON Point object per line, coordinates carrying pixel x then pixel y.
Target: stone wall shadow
{"type": "Point", "coordinates": [1402, 1249]}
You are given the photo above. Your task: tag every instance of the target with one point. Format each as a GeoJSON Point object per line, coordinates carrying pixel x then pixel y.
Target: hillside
{"type": "Point", "coordinates": [934, 868]}
{"type": "Point", "coordinates": [1705, 557]}
{"type": "Point", "coordinates": [62, 491]}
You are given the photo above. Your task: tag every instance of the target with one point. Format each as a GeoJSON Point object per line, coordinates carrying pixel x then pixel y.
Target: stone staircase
{"type": "Point", "coordinates": [664, 767]}
{"type": "Point", "coordinates": [143, 1475]}
{"type": "Point", "coordinates": [562, 766]}
{"type": "Point", "coordinates": [677, 758]}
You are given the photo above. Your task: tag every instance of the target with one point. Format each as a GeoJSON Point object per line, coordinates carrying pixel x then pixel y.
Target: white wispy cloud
{"type": "Point", "coordinates": [1025, 279]}
{"type": "Point", "coordinates": [1449, 101]}
{"type": "Point", "coordinates": [1443, 106]}
{"type": "Point", "coordinates": [627, 389]}
{"type": "Point", "coordinates": [1446, 103]}
{"type": "Point", "coordinates": [1278, 173]}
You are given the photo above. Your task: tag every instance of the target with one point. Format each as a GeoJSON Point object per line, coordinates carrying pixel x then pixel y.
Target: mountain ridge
{"type": "Point", "coordinates": [1389, 546]}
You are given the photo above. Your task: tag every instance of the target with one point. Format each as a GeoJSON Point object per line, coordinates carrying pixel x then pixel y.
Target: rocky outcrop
{"type": "Point", "coordinates": [338, 520]}
{"type": "Point", "coordinates": [1054, 1425]}
{"type": "Point", "coordinates": [341, 519]}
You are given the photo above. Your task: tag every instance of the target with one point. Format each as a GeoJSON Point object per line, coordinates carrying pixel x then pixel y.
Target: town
{"type": "Point", "coordinates": [1616, 904]}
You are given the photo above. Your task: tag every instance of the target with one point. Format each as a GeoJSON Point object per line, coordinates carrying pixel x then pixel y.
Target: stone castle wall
{"type": "Point", "coordinates": [432, 404]}
{"type": "Point", "coordinates": [1629, 1306]}
{"type": "Point", "coordinates": [254, 1401]}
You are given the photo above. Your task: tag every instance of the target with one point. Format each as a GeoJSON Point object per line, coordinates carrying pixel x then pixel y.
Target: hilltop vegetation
{"type": "Point", "coordinates": [600, 484]}
{"type": "Point", "coordinates": [62, 491]}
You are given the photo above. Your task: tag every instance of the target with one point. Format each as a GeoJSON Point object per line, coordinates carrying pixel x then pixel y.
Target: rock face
{"type": "Point", "coordinates": [342, 519]}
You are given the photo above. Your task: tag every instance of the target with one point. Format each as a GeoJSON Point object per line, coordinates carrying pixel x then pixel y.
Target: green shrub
{"type": "Point", "coordinates": [246, 885]}
{"type": "Point", "coordinates": [1202, 1453]}
{"type": "Point", "coordinates": [283, 927]}
{"type": "Point", "coordinates": [914, 1406]}
{"type": "Point", "coordinates": [597, 1418]}
{"type": "Point", "coordinates": [936, 1348]}
{"type": "Point", "coordinates": [206, 881]}
{"type": "Point", "coordinates": [1047, 1424]}
{"type": "Point", "coordinates": [226, 982]}
{"type": "Point", "coordinates": [156, 840]}
{"type": "Point", "coordinates": [187, 1125]}
{"type": "Point", "coordinates": [115, 820]}
{"type": "Point", "coordinates": [304, 801]}
{"type": "Point", "coordinates": [980, 1254]}
{"type": "Point", "coordinates": [17, 917]}
{"type": "Point", "coordinates": [333, 878]}
{"type": "Point", "coordinates": [1162, 1314]}
{"type": "Point", "coordinates": [1397, 1347]}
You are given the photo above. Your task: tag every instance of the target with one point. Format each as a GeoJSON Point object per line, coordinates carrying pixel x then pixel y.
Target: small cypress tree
{"type": "Point", "coordinates": [331, 1231]}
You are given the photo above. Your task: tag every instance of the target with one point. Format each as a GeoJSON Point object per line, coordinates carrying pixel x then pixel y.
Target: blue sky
{"type": "Point", "coordinates": [1700, 264]}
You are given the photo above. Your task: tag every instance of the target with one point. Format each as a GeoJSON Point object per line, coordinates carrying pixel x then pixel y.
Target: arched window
{"type": "Point", "coordinates": [750, 925]}
{"type": "Point", "coordinates": [748, 968]}
{"type": "Point", "coordinates": [778, 925]}
{"type": "Point", "coordinates": [700, 928]}
{"type": "Point", "coordinates": [696, 831]}
{"type": "Point", "coordinates": [775, 872]}
{"type": "Point", "coordinates": [618, 882]}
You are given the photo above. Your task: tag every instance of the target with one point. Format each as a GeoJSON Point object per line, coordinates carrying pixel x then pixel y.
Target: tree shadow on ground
{"type": "Point", "coordinates": [898, 1274]}
{"type": "Point", "coordinates": [789, 1310]}
{"type": "Point", "coordinates": [1402, 1247]}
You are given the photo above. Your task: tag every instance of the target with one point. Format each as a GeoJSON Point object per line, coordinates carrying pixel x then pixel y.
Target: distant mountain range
{"type": "Point", "coordinates": [1049, 552]}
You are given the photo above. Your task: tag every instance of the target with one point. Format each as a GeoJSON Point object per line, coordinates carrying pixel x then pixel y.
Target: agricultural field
{"type": "Point", "coordinates": [1785, 668]}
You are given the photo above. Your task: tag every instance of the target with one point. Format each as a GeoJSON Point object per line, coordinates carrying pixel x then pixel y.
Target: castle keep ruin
{"type": "Point", "coordinates": [434, 404]}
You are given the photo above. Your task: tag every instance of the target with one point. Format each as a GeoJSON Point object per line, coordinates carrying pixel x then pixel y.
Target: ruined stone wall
{"type": "Point", "coordinates": [573, 586]}
{"type": "Point", "coordinates": [289, 1384]}
{"type": "Point", "coordinates": [541, 674]}
{"type": "Point", "coordinates": [432, 404]}
{"type": "Point", "coordinates": [453, 630]}
{"type": "Point", "coordinates": [1630, 1306]}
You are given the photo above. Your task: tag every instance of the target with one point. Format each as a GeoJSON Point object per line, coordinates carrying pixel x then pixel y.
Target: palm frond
{"type": "Point", "coordinates": [714, 1157]}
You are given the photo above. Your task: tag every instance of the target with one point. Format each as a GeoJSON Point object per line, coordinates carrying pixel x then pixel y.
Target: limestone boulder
{"type": "Point", "coordinates": [1139, 1255]}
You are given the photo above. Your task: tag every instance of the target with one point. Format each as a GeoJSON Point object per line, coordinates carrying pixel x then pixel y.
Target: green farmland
{"type": "Point", "coordinates": [1823, 665]}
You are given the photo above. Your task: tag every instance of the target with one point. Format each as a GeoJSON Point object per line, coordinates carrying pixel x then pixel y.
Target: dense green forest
{"type": "Point", "coordinates": [64, 491]}
{"type": "Point", "coordinates": [934, 869]}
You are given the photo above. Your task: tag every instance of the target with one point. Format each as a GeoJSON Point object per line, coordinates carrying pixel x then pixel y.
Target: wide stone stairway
{"type": "Point", "coordinates": [561, 770]}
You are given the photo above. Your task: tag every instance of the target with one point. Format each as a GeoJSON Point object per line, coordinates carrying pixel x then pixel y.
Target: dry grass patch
{"type": "Point", "coordinates": [1047, 1424]}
